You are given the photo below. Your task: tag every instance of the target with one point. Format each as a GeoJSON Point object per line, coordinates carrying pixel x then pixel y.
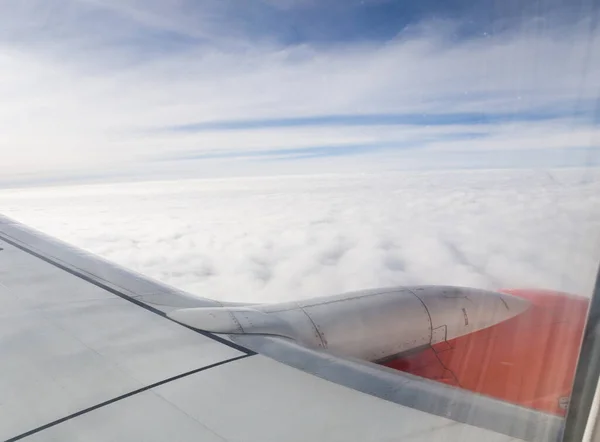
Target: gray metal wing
{"type": "Point", "coordinates": [87, 352]}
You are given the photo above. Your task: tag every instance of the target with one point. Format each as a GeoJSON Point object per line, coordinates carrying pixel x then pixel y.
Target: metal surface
{"type": "Point", "coordinates": [88, 354]}
{"type": "Point", "coordinates": [412, 391]}
{"type": "Point", "coordinates": [67, 344]}
{"type": "Point", "coordinates": [295, 406]}
{"type": "Point", "coordinates": [258, 399]}
{"type": "Point", "coordinates": [368, 325]}
{"type": "Point", "coordinates": [144, 417]}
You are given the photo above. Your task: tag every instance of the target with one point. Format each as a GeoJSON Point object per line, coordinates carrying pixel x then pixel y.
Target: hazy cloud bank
{"type": "Point", "coordinates": [268, 239]}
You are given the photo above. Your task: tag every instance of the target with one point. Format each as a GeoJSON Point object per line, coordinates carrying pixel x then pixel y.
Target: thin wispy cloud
{"type": "Point", "coordinates": [115, 90]}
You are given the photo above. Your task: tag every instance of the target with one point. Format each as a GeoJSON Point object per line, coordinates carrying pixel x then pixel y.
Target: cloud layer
{"type": "Point", "coordinates": [282, 238]}
{"type": "Point", "coordinates": [109, 90]}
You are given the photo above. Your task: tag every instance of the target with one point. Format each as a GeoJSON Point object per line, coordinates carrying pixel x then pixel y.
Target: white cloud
{"type": "Point", "coordinates": [281, 238]}
{"type": "Point", "coordinates": [73, 109]}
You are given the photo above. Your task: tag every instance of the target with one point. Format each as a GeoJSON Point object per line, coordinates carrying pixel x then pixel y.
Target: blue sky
{"type": "Point", "coordinates": [170, 24]}
{"type": "Point", "coordinates": [151, 89]}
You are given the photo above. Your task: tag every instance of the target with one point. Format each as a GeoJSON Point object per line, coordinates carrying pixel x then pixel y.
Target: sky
{"type": "Point", "coordinates": [121, 90]}
{"type": "Point", "coordinates": [280, 149]}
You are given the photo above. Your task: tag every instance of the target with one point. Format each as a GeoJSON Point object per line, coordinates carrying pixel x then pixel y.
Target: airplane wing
{"type": "Point", "coordinates": [87, 352]}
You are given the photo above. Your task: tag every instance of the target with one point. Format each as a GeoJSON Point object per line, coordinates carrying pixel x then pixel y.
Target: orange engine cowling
{"type": "Point", "coordinates": [528, 360]}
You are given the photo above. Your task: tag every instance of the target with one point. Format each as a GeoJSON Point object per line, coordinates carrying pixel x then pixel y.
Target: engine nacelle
{"type": "Point", "coordinates": [370, 325]}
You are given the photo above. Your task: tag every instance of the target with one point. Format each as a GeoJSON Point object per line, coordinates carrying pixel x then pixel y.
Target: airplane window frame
{"type": "Point", "coordinates": [582, 422]}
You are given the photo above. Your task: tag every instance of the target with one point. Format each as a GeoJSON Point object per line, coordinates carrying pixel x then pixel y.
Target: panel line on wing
{"type": "Point", "coordinates": [123, 396]}
{"type": "Point", "coordinates": [120, 294]}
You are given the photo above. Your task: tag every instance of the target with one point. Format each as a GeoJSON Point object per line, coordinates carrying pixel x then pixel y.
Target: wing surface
{"type": "Point", "coordinates": [88, 353]}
